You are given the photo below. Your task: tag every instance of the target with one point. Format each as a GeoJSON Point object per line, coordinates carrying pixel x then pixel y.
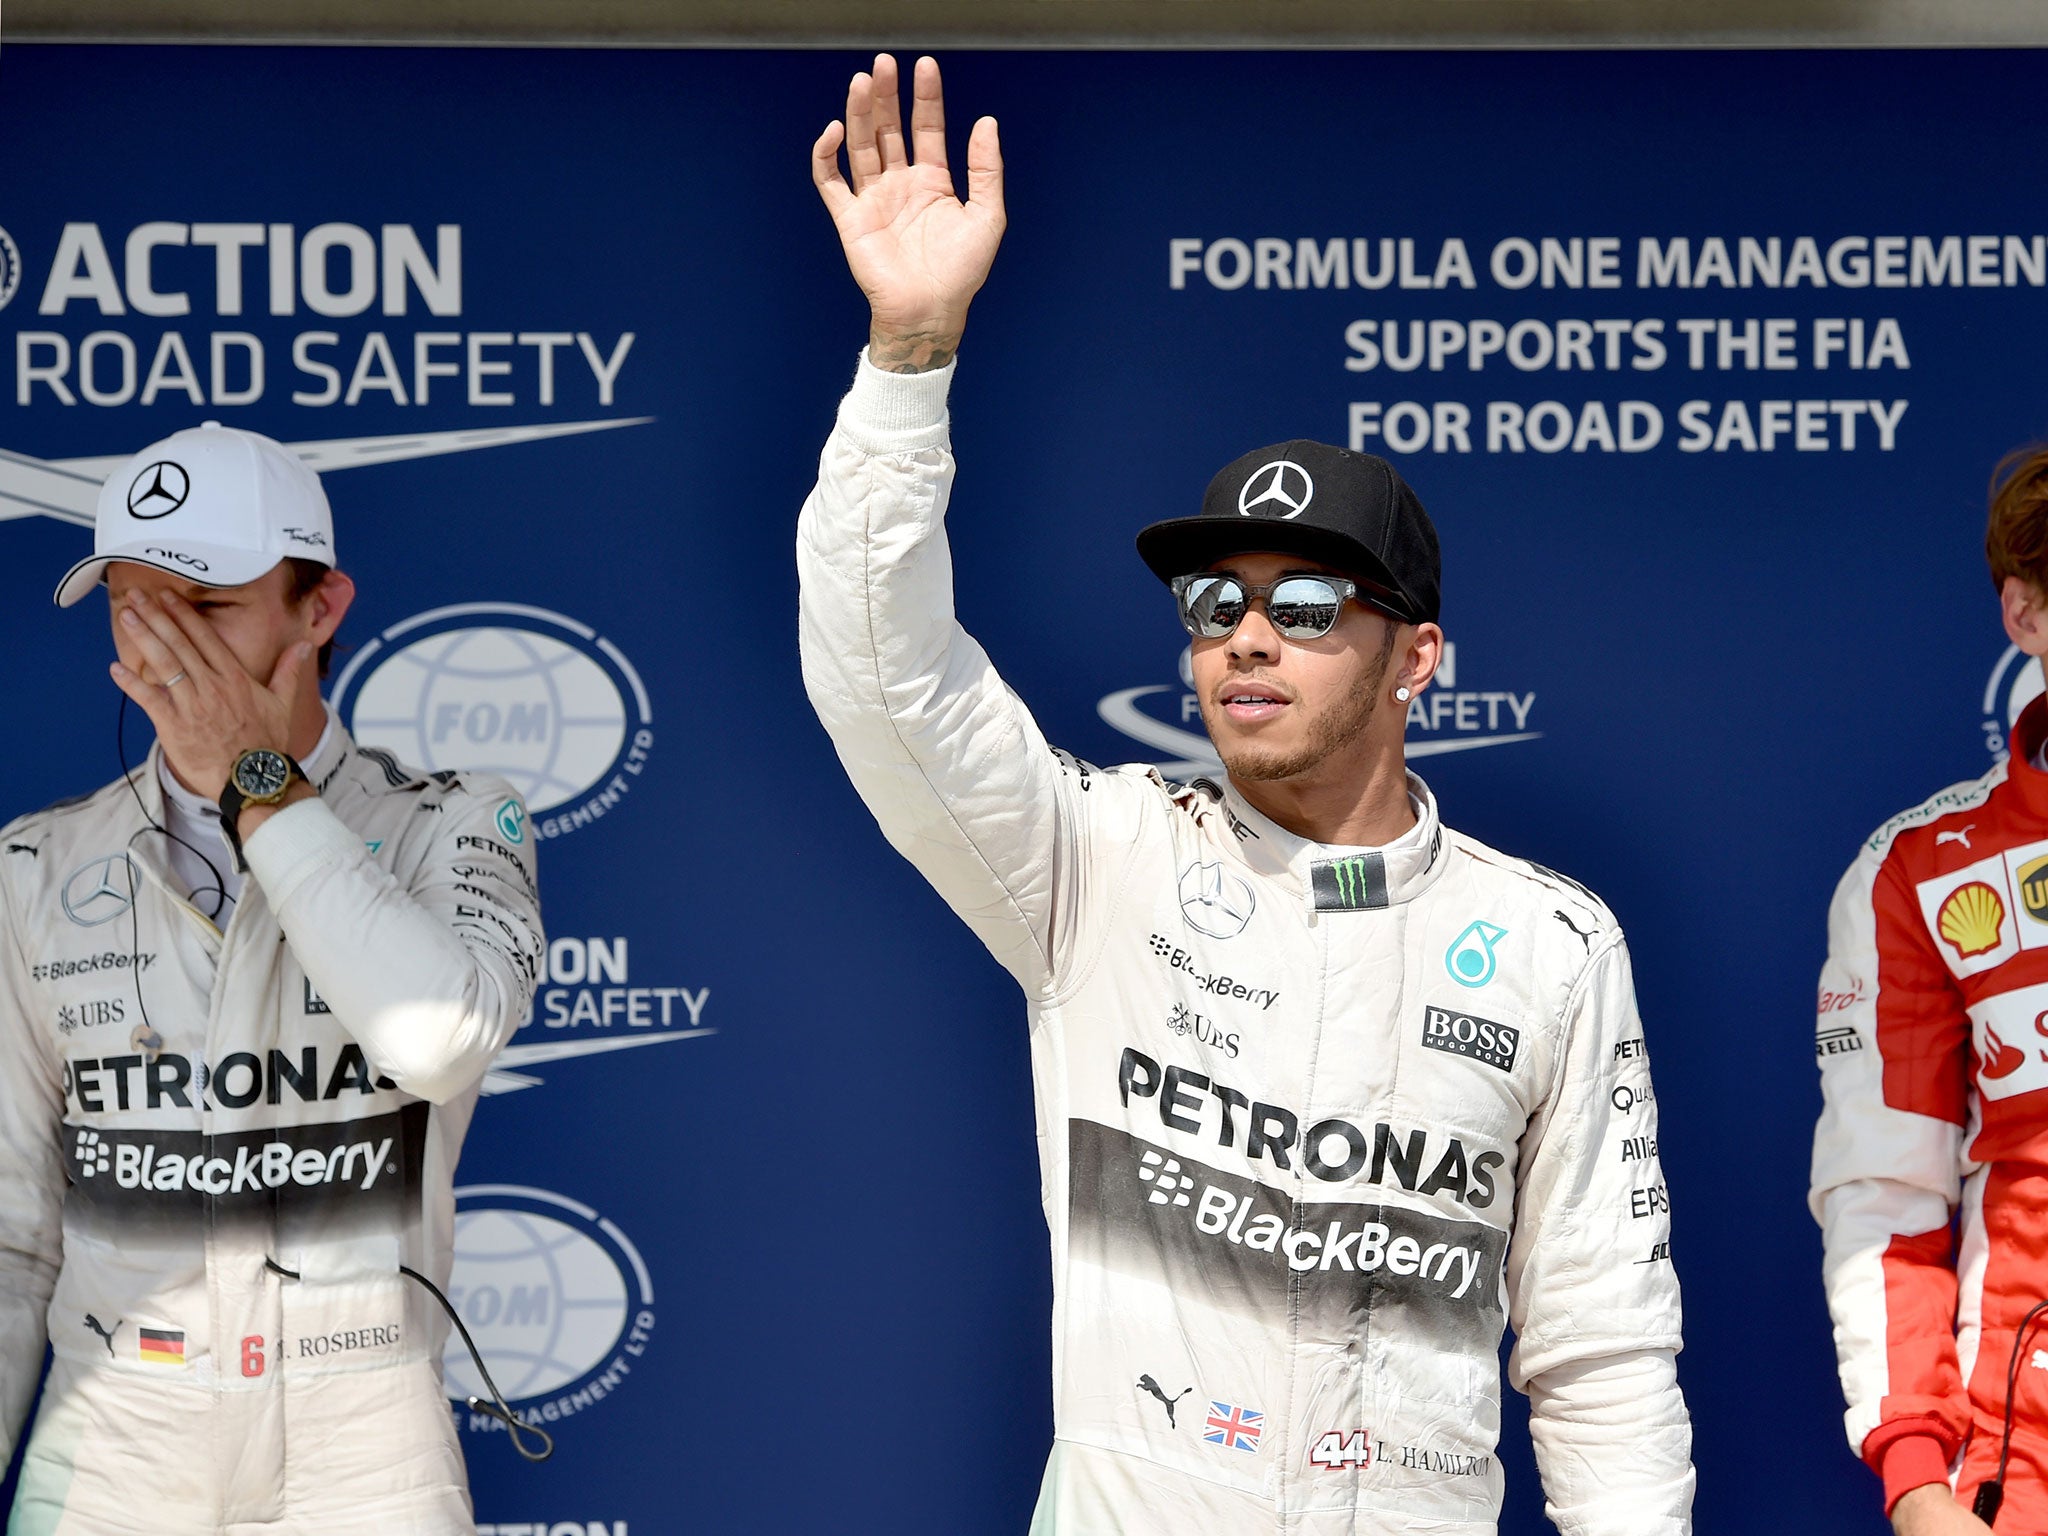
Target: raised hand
{"type": "Point", "coordinates": [917, 251]}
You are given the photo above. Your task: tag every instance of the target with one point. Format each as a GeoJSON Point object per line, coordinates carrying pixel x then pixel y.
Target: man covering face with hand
{"type": "Point", "coordinates": [1328, 1093]}
{"type": "Point", "coordinates": [247, 994]}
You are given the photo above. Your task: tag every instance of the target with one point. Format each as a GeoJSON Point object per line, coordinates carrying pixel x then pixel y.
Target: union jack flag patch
{"type": "Point", "coordinates": [1234, 1428]}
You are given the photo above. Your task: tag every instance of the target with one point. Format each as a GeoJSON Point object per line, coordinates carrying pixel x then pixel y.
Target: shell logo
{"type": "Point", "coordinates": [1972, 919]}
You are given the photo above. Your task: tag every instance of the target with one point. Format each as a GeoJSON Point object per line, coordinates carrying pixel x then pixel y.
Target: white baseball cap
{"type": "Point", "coordinates": [213, 504]}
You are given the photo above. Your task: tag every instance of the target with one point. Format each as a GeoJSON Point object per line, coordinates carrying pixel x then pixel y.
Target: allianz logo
{"type": "Point", "coordinates": [1443, 718]}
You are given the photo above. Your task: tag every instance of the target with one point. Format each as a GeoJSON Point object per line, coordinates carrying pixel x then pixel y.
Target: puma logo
{"type": "Point", "coordinates": [33, 850]}
{"type": "Point", "coordinates": [1585, 938]}
{"type": "Point", "coordinates": [1962, 837]}
{"type": "Point", "coordinates": [106, 1334]}
{"type": "Point", "coordinates": [1147, 1384]}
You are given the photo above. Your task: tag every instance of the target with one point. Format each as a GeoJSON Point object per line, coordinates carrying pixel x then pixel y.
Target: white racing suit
{"type": "Point", "coordinates": [180, 1105]}
{"type": "Point", "coordinates": [1313, 1123]}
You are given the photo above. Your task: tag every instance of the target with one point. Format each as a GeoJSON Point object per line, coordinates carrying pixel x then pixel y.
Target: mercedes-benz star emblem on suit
{"type": "Point", "coordinates": [1215, 901]}
{"type": "Point", "coordinates": [100, 891]}
{"type": "Point", "coordinates": [159, 490]}
{"type": "Point", "coordinates": [1280, 489]}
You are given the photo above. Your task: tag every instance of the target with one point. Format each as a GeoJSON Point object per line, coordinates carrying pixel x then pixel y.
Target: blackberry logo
{"type": "Point", "coordinates": [91, 1156]}
{"type": "Point", "coordinates": [1161, 948]}
{"type": "Point", "coordinates": [10, 267]}
{"type": "Point", "coordinates": [1169, 1184]}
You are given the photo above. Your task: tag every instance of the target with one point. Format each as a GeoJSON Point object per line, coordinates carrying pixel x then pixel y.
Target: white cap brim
{"type": "Point", "coordinates": [209, 565]}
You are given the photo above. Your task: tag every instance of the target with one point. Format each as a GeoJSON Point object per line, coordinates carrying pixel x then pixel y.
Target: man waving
{"type": "Point", "coordinates": [1328, 1093]}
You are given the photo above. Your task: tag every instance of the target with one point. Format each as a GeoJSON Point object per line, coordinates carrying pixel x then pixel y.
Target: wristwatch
{"type": "Point", "coordinates": [260, 777]}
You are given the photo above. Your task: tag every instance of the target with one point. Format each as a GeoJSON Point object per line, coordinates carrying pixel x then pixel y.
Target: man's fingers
{"type": "Point", "coordinates": [888, 114]}
{"type": "Point", "coordinates": [825, 174]}
{"type": "Point", "coordinates": [985, 168]}
{"type": "Point", "coordinates": [165, 651]}
{"type": "Point", "coordinates": [862, 158]}
{"type": "Point", "coordinates": [199, 634]}
{"type": "Point", "coordinates": [147, 697]}
{"type": "Point", "coordinates": [927, 114]}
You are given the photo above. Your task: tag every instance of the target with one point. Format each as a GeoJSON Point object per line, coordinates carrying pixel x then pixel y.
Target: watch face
{"type": "Point", "coordinates": [262, 773]}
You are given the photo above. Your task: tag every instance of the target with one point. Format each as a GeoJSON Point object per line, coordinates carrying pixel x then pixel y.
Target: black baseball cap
{"type": "Point", "coordinates": [1350, 511]}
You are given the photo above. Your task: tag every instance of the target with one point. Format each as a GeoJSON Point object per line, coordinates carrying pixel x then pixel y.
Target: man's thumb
{"type": "Point", "coordinates": [284, 677]}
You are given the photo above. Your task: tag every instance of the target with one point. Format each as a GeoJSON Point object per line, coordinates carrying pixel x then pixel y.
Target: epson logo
{"type": "Point", "coordinates": [1465, 1034]}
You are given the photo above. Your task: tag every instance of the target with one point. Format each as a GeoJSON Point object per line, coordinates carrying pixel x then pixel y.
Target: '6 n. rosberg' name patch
{"type": "Point", "coordinates": [1465, 1034]}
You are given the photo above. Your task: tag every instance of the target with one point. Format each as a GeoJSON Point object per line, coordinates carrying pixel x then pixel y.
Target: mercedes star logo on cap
{"type": "Point", "coordinates": [1280, 489]}
{"type": "Point", "coordinates": [158, 491]}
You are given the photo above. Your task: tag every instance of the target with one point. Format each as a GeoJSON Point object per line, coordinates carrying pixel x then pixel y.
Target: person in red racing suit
{"type": "Point", "coordinates": [1930, 1163]}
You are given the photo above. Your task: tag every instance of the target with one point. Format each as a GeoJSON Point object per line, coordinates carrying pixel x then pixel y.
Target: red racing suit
{"type": "Point", "coordinates": [1930, 1163]}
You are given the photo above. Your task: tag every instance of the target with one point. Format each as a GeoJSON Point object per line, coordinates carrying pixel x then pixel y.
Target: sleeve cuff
{"type": "Point", "coordinates": [295, 844]}
{"type": "Point", "coordinates": [888, 412]}
{"type": "Point", "coordinates": [1912, 1461]}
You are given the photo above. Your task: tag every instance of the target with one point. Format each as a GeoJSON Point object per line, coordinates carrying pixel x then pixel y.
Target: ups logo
{"type": "Point", "coordinates": [2032, 879]}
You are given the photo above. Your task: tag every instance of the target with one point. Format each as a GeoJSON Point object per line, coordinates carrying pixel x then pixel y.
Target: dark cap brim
{"type": "Point", "coordinates": [1181, 546]}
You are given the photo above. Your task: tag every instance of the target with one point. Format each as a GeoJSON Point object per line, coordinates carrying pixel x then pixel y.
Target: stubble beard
{"type": "Point", "coordinates": [1329, 733]}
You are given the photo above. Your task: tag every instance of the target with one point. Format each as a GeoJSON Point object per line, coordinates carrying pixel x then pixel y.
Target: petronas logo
{"type": "Point", "coordinates": [1355, 883]}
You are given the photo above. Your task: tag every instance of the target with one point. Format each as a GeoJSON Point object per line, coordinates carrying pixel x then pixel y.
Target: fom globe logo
{"type": "Point", "coordinates": [536, 697]}
{"type": "Point", "coordinates": [2015, 683]}
{"type": "Point", "coordinates": [557, 1298]}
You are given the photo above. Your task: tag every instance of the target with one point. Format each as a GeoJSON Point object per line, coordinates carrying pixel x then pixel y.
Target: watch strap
{"type": "Point", "coordinates": [233, 801]}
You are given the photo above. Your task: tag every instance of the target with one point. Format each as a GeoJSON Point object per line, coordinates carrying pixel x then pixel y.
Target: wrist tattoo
{"type": "Point", "coordinates": [914, 352]}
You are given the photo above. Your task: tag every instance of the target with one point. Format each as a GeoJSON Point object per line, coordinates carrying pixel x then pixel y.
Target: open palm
{"type": "Point", "coordinates": [919, 253]}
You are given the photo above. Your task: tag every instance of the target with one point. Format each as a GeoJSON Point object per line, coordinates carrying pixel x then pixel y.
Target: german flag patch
{"type": "Point", "coordinates": [163, 1346]}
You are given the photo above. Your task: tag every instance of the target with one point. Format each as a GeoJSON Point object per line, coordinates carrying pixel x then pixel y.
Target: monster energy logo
{"type": "Point", "coordinates": [1349, 884]}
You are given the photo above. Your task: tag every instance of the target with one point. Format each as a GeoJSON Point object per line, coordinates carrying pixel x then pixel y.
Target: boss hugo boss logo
{"type": "Point", "coordinates": [1280, 489]}
{"type": "Point", "coordinates": [159, 490]}
{"type": "Point", "coordinates": [1468, 1035]}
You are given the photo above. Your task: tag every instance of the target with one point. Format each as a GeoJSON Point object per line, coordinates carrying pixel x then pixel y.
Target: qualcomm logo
{"type": "Point", "coordinates": [558, 1299]}
{"type": "Point", "coordinates": [10, 267]}
{"type": "Point", "coordinates": [1444, 718]}
{"type": "Point", "coordinates": [533, 696]}
{"type": "Point", "coordinates": [2014, 684]}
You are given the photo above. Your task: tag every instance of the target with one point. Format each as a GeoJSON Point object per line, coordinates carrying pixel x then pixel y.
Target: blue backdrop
{"type": "Point", "coordinates": [752, 1209]}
